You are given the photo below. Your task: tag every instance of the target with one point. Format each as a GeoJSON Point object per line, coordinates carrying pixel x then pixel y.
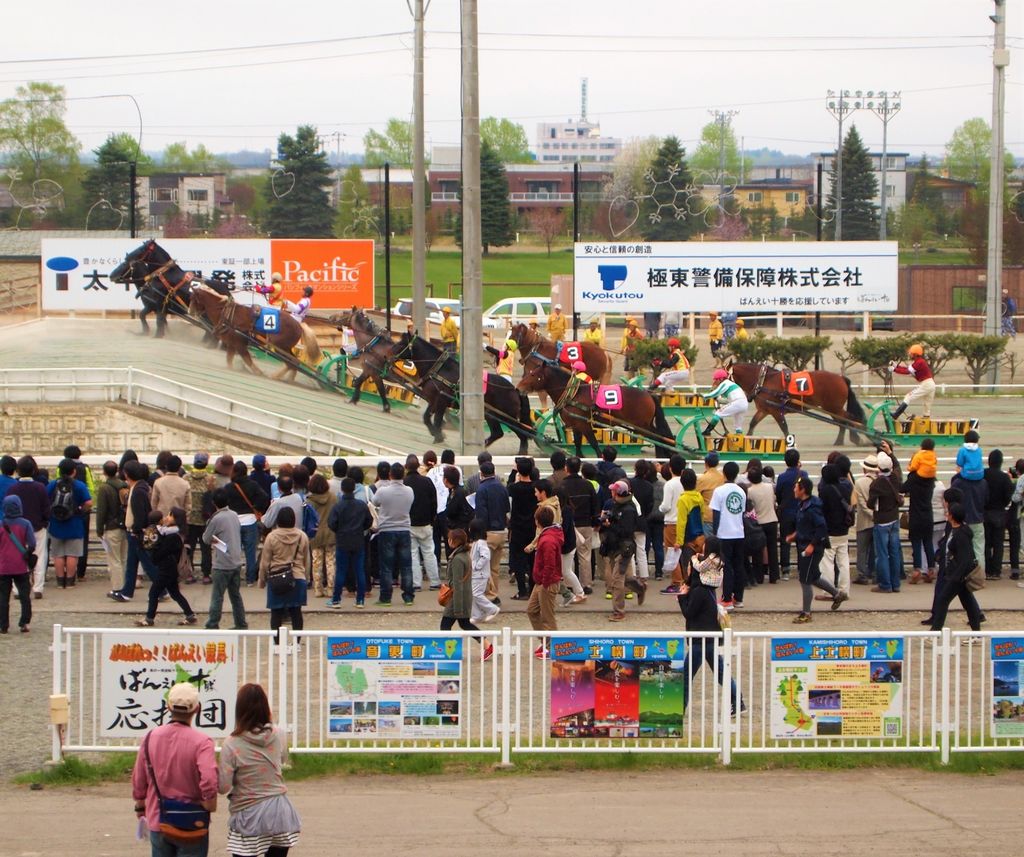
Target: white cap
{"type": "Point", "coordinates": [183, 697]}
{"type": "Point", "coordinates": [884, 462]}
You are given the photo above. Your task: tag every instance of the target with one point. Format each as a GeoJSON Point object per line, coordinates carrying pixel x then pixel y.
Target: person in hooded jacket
{"type": "Point", "coordinates": [286, 545]}
{"type": "Point", "coordinates": [699, 605]}
{"type": "Point", "coordinates": [919, 490]}
{"type": "Point", "coordinates": [349, 520]}
{"type": "Point", "coordinates": [17, 541]}
{"type": "Point", "coordinates": [811, 537]}
{"type": "Point", "coordinates": [262, 820]}
{"type": "Point", "coordinates": [322, 499]}
{"type": "Point", "coordinates": [619, 547]}
{"type": "Point", "coordinates": [835, 502]}
{"type": "Point", "coordinates": [547, 571]}
{"type": "Point", "coordinates": [165, 552]}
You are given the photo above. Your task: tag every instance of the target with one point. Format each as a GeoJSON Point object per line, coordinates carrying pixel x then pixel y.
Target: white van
{"type": "Point", "coordinates": [515, 310]}
{"type": "Point", "coordinates": [434, 307]}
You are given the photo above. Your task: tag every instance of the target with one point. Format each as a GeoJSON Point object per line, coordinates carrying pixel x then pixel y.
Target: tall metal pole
{"type": "Point", "coordinates": [838, 105]}
{"type": "Point", "coordinates": [133, 194]}
{"type": "Point", "coordinates": [472, 278]}
{"type": "Point", "coordinates": [885, 109]}
{"type": "Point", "coordinates": [993, 294]}
{"type": "Point", "coordinates": [817, 205]}
{"type": "Point", "coordinates": [387, 246]}
{"type": "Point", "coordinates": [575, 233]}
{"type": "Point", "coordinates": [419, 177]}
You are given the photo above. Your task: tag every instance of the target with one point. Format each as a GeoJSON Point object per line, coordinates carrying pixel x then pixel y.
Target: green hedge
{"type": "Point", "coordinates": [979, 353]}
{"type": "Point", "coordinates": [796, 352]}
{"type": "Point", "coordinates": [649, 350]}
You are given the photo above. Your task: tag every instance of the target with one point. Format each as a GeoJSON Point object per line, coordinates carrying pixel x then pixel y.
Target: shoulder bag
{"type": "Point", "coordinates": [281, 579]}
{"type": "Point", "coordinates": [975, 579]}
{"type": "Point", "coordinates": [248, 502]}
{"type": "Point", "coordinates": [29, 556]}
{"type": "Point", "coordinates": [181, 821]}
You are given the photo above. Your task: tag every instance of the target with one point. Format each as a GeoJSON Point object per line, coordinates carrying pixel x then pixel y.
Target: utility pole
{"type": "Point", "coordinates": [885, 110]}
{"type": "Point", "coordinates": [836, 103]}
{"type": "Point", "coordinates": [418, 9]}
{"type": "Point", "coordinates": [722, 118]}
{"type": "Point", "coordinates": [471, 327]}
{"type": "Point", "coordinates": [994, 279]}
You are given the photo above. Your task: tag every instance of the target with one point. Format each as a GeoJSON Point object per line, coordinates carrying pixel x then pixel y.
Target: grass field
{"type": "Point", "coordinates": [532, 270]}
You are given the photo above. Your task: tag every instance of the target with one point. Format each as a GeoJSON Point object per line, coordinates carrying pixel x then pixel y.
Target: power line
{"type": "Point", "coordinates": [688, 51]}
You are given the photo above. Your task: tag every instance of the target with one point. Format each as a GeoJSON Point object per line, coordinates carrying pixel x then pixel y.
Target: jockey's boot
{"type": "Point", "coordinates": [899, 411]}
{"type": "Point", "coordinates": [710, 427]}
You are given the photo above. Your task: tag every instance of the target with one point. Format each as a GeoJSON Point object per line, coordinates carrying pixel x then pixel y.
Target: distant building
{"type": "Point", "coordinates": [789, 197]}
{"type": "Point", "coordinates": [953, 192]}
{"type": "Point", "coordinates": [575, 140]}
{"type": "Point", "coordinates": [895, 176]}
{"type": "Point", "coordinates": [194, 195]}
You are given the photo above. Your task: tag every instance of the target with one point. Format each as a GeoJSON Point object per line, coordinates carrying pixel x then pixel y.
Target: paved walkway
{"type": "Point", "coordinates": [593, 814]}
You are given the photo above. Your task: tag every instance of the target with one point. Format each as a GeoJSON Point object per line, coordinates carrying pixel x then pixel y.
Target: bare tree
{"type": "Point", "coordinates": [548, 223]}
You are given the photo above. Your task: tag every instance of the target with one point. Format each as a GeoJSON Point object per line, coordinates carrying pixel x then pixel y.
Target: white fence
{"type": "Point", "coordinates": [948, 694]}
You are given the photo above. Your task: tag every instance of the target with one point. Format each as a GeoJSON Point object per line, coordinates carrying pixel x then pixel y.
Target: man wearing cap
{"type": "Point", "coordinates": [885, 501]}
{"type": "Point", "coordinates": [179, 762]}
{"type": "Point", "coordinates": [593, 334]}
{"type": "Point", "coordinates": [732, 402]}
{"type": "Point", "coordinates": [449, 332]}
{"type": "Point", "coordinates": [864, 523]}
{"type": "Point", "coordinates": [260, 473]}
{"type": "Point", "coordinates": [676, 367]}
{"type": "Point", "coordinates": [300, 309]}
{"type": "Point", "coordinates": [741, 330]}
{"type": "Point", "coordinates": [556, 324]}
{"type": "Point", "coordinates": [222, 468]}
{"type": "Point", "coordinates": [503, 358]}
{"type": "Point", "coordinates": [628, 348]}
{"type": "Point", "coordinates": [921, 372]}
{"type": "Point", "coordinates": [200, 483]}
{"type": "Point", "coordinates": [274, 293]}
{"type": "Point", "coordinates": [716, 337]}
{"type": "Point", "coordinates": [110, 523]}
{"type": "Point", "coordinates": [618, 525]}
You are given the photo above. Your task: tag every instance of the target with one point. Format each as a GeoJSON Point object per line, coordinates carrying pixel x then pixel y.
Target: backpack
{"type": "Point", "coordinates": [310, 520]}
{"type": "Point", "coordinates": [122, 500]}
{"type": "Point", "coordinates": [63, 507]}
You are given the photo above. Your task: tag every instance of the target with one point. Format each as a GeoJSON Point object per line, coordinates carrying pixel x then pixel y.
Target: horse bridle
{"type": "Point", "coordinates": [170, 288]}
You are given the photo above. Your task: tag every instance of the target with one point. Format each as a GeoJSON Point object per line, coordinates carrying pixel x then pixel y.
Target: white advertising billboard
{"type": "Point", "coordinates": [736, 276]}
{"type": "Point", "coordinates": [76, 271]}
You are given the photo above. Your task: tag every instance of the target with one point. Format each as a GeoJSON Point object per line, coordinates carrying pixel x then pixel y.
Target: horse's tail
{"type": "Point", "coordinates": [309, 341]}
{"type": "Point", "coordinates": [662, 429]}
{"type": "Point", "coordinates": [524, 409]}
{"type": "Point", "coordinates": [853, 406]}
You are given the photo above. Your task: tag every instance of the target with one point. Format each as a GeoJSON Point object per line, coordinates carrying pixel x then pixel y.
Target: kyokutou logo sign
{"type": "Point", "coordinates": [613, 286]}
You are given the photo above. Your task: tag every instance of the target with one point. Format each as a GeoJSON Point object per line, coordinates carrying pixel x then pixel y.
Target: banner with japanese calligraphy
{"type": "Point", "coordinates": [138, 671]}
{"type": "Point", "coordinates": [736, 276]}
{"type": "Point", "coordinates": [394, 687]}
{"type": "Point", "coordinates": [1007, 683]}
{"type": "Point", "coordinates": [617, 687]}
{"type": "Point", "coordinates": [76, 271]}
{"type": "Point", "coordinates": [837, 687]}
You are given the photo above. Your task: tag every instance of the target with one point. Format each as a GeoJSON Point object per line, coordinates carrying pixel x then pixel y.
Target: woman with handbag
{"type": "Point", "coordinates": [17, 559]}
{"type": "Point", "coordinates": [961, 564]}
{"type": "Point", "coordinates": [456, 593]}
{"type": "Point", "coordinates": [285, 570]}
{"type": "Point", "coordinates": [263, 820]}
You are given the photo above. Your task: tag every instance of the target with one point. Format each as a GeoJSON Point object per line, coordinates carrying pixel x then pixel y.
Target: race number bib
{"type": "Point", "coordinates": [570, 353]}
{"type": "Point", "coordinates": [269, 321]}
{"type": "Point", "coordinates": [609, 397]}
{"type": "Point", "coordinates": [800, 384]}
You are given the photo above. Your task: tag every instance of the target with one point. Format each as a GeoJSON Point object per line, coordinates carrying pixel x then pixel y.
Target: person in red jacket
{"type": "Point", "coordinates": [547, 574]}
{"type": "Point", "coordinates": [921, 372]}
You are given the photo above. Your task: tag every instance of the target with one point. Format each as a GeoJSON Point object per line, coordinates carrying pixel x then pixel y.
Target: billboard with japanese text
{"type": "Point", "coordinates": [138, 671]}
{"type": "Point", "coordinates": [736, 276]}
{"type": "Point", "coordinates": [76, 271]}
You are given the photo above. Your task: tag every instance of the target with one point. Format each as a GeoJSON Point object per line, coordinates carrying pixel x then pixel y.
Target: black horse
{"type": "Point", "coordinates": [161, 284]}
{"type": "Point", "coordinates": [437, 381]}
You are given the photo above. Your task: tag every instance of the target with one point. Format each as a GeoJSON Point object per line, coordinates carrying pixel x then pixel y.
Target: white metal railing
{"type": "Point", "coordinates": [945, 692]}
{"type": "Point", "coordinates": [139, 388]}
{"type": "Point", "coordinates": [540, 196]}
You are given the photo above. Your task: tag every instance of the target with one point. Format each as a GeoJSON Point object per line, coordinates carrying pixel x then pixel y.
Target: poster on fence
{"type": "Point", "coordinates": [394, 687]}
{"type": "Point", "coordinates": [616, 687]}
{"type": "Point", "coordinates": [1007, 681]}
{"type": "Point", "coordinates": [138, 671]}
{"type": "Point", "coordinates": [837, 687]}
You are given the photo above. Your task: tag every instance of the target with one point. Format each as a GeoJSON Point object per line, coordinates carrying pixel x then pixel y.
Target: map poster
{"type": "Point", "coordinates": [837, 687]}
{"type": "Point", "coordinates": [616, 687]}
{"type": "Point", "coordinates": [394, 687]}
{"type": "Point", "coordinates": [138, 670]}
{"type": "Point", "coordinates": [1007, 681]}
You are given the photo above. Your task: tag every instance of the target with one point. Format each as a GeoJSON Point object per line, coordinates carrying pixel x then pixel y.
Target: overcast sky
{"type": "Point", "coordinates": [654, 67]}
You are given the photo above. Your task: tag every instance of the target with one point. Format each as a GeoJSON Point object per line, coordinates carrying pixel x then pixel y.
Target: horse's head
{"type": "Point", "coordinates": [535, 375]}
{"type": "Point", "coordinates": [139, 262]}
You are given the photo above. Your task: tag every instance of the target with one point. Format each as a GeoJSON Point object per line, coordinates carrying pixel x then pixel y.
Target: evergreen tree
{"type": "Point", "coordinates": [860, 214]}
{"type": "Point", "coordinates": [107, 186]}
{"type": "Point", "coordinates": [495, 213]}
{"type": "Point", "coordinates": [666, 213]}
{"type": "Point", "coordinates": [298, 190]}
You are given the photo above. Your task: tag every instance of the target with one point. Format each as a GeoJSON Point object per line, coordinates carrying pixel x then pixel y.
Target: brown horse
{"type": "Point", "coordinates": [765, 386]}
{"type": "Point", "coordinates": [640, 410]}
{"type": "Point", "coordinates": [376, 352]}
{"type": "Point", "coordinates": [234, 325]}
{"type": "Point", "coordinates": [530, 341]}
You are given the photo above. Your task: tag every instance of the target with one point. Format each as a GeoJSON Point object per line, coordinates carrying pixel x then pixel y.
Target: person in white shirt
{"type": "Point", "coordinates": [480, 563]}
{"type": "Point", "coordinates": [669, 509]}
{"type": "Point", "coordinates": [728, 503]}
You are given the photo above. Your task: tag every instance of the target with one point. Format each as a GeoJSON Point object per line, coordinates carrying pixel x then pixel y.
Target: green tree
{"type": "Point", "coordinates": [969, 154]}
{"type": "Point", "coordinates": [495, 212]}
{"type": "Point", "coordinates": [356, 217]}
{"type": "Point", "coordinates": [33, 132]}
{"type": "Point", "coordinates": [706, 157]}
{"type": "Point", "coordinates": [298, 189]}
{"type": "Point", "coordinates": [107, 186]}
{"type": "Point", "coordinates": [665, 214]}
{"type": "Point", "coordinates": [860, 214]}
{"type": "Point", "coordinates": [393, 146]}
{"type": "Point", "coordinates": [507, 138]}
{"type": "Point", "coordinates": [176, 158]}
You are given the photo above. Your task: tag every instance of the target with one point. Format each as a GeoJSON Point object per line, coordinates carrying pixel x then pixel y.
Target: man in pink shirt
{"type": "Point", "coordinates": [183, 763]}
